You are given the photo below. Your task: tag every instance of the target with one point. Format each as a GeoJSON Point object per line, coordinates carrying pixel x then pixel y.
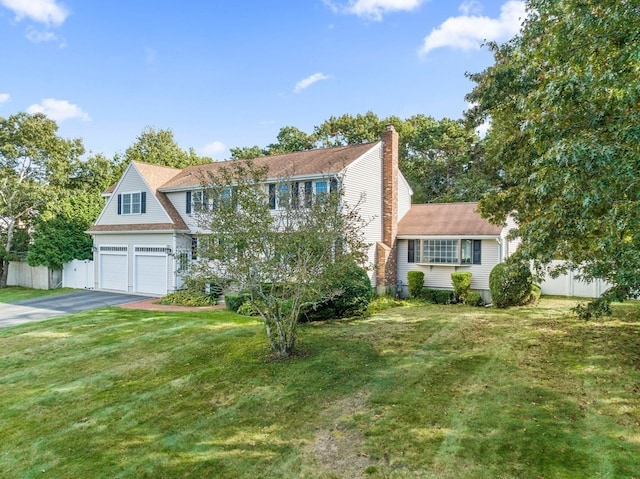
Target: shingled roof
{"type": "Point", "coordinates": [300, 163]}
{"type": "Point", "coordinates": [446, 219]}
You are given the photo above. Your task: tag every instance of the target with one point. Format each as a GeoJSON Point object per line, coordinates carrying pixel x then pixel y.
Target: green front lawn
{"type": "Point", "coordinates": [12, 294]}
{"type": "Point", "coordinates": [419, 391]}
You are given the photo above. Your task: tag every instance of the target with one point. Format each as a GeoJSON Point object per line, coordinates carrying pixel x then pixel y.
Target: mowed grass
{"type": "Point", "coordinates": [17, 293]}
{"type": "Point", "coordinates": [417, 391]}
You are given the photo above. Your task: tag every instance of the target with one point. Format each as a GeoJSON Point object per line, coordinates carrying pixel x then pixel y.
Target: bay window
{"type": "Point", "coordinates": [444, 251]}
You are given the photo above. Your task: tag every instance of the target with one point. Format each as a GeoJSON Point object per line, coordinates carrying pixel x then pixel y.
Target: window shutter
{"type": "Point", "coordinates": [333, 185]}
{"type": "Point", "coordinates": [119, 204]}
{"type": "Point", "coordinates": [188, 202]}
{"type": "Point", "coordinates": [411, 257]}
{"type": "Point", "coordinates": [143, 202]}
{"type": "Point", "coordinates": [272, 196]}
{"type": "Point", "coordinates": [477, 251]}
{"type": "Point", "coordinates": [308, 193]}
{"type": "Point", "coordinates": [295, 194]}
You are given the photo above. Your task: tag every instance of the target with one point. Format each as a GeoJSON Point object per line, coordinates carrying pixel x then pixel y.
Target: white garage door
{"type": "Point", "coordinates": [113, 267]}
{"type": "Point", "coordinates": [150, 271]}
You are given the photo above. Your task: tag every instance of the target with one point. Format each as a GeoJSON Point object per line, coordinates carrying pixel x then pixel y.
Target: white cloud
{"type": "Point", "coordinates": [59, 110]}
{"type": "Point", "coordinates": [310, 80]}
{"type": "Point", "coordinates": [212, 149]}
{"type": "Point", "coordinates": [36, 36]}
{"type": "Point", "coordinates": [467, 32]}
{"type": "Point", "coordinates": [4, 98]}
{"type": "Point", "coordinates": [49, 12]}
{"type": "Point", "coordinates": [470, 7]}
{"type": "Point", "coordinates": [374, 9]}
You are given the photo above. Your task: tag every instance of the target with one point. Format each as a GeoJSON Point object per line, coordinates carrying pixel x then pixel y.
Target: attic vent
{"type": "Point", "coordinates": [121, 249]}
{"type": "Point", "coordinates": [151, 249]}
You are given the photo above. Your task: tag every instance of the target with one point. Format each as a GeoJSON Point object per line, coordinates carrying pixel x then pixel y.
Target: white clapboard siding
{"type": "Point", "coordinates": [133, 182]}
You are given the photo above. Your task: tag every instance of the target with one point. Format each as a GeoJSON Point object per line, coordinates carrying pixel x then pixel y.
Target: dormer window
{"type": "Point", "coordinates": [132, 203]}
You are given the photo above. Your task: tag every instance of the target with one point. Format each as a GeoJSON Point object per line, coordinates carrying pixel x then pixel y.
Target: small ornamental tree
{"type": "Point", "coordinates": [283, 258]}
{"type": "Point", "coordinates": [510, 283]}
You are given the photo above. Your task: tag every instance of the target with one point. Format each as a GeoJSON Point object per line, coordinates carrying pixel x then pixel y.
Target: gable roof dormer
{"type": "Point", "coordinates": [156, 213]}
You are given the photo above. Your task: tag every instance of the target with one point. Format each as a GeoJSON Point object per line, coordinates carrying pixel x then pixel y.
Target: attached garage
{"type": "Point", "coordinates": [113, 270]}
{"type": "Point", "coordinates": [150, 270]}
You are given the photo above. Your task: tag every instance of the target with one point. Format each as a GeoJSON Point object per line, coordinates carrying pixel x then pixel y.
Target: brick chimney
{"type": "Point", "coordinates": [387, 268]}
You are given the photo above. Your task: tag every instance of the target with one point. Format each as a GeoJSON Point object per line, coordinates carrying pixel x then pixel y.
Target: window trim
{"type": "Point", "coordinates": [416, 252]}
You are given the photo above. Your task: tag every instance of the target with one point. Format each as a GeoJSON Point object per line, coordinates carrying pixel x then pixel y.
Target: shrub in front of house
{"type": "Point", "coordinates": [536, 292]}
{"type": "Point", "coordinates": [461, 284]}
{"type": "Point", "coordinates": [234, 301]}
{"type": "Point", "coordinates": [247, 309]}
{"type": "Point", "coordinates": [206, 286]}
{"type": "Point", "coordinates": [348, 295]}
{"type": "Point", "coordinates": [416, 283]}
{"type": "Point", "coordinates": [473, 298]}
{"type": "Point", "coordinates": [510, 283]}
{"type": "Point", "coordinates": [438, 296]}
{"type": "Point", "coordinates": [189, 297]}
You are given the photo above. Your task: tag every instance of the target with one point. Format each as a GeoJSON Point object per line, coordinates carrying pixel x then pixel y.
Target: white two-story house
{"type": "Point", "coordinates": [146, 233]}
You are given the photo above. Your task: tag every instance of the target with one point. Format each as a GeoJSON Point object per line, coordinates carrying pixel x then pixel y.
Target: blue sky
{"type": "Point", "coordinates": [223, 74]}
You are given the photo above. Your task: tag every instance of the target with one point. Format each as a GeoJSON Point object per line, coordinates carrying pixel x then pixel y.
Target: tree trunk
{"type": "Point", "coordinates": [4, 271]}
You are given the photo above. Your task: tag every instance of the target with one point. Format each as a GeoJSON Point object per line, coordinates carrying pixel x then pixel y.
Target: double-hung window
{"type": "Point", "coordinates": [298, 194]}
{"type": "Point", "coordinates": [132, 203]}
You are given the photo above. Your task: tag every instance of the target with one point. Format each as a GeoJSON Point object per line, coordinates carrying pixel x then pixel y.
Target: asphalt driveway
{"type": "Point", "coordinates": [45, 307]}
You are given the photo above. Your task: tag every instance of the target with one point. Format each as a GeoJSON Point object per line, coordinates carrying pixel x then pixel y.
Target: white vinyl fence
{"type": "Point", "coordinates": [569, 285]}
{"type": "Point", "coordinates": [79, 274]}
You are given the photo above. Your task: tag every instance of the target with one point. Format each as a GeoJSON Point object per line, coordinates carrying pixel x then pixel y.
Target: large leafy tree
{"type": "Point", "coordinates": [160, 148]}
{"type": "Point", "coordinates": [285, 259]}
{"type": "Point", "coordinates": [35, 164]}
{"type": "Point", "coordinates": [563, 98]}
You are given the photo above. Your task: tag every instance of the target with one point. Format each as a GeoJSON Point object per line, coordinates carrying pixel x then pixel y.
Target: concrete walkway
{"type": "Point", "coordinates": [46, 307]}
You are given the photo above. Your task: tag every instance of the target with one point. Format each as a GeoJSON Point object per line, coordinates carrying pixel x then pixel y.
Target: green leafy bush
{"type": "Point", "coordinates": [206, 286]}
{"type": "Point", "coordinates": [473, 298]}
{"type": "Point", "coordinates": [348, 295]}
{"type": "Point", "coordinates": [382, 303]}
{"type": "Point", "coordinates": [189, 297]}
{"type": "Point", "coordinates": [416, 283]}
{"type": "Point", "coordinates": [438, 296]}
{"type": "Point", "coordinates": [536, 292]}
{"type": "Point", "coordinates": [234, 301]}
{"type": "Point", "coordinates": [247, 309]}
{"type": "Point", "coordinates": [510, 283]}
{"type": "Point", "coordinates": [461, 284]}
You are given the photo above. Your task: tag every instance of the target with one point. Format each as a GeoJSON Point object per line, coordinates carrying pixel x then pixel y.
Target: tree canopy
{"type": "Point", "coordinates": [35, 164]}
{"type": "Point", "coordinates": [443, 159]}
{"type": "Point", "coordinates": [563, 98]}
{"type": "Point", "coordinates": [159, 147]}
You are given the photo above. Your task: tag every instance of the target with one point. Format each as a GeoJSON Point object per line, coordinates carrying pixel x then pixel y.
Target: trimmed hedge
{"type": "Point", "coordinates": [416, 283]}
{"type": "Point", "coordinates": [461, 284]}
{"type": "Point", "coordinates": [438, 296]}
